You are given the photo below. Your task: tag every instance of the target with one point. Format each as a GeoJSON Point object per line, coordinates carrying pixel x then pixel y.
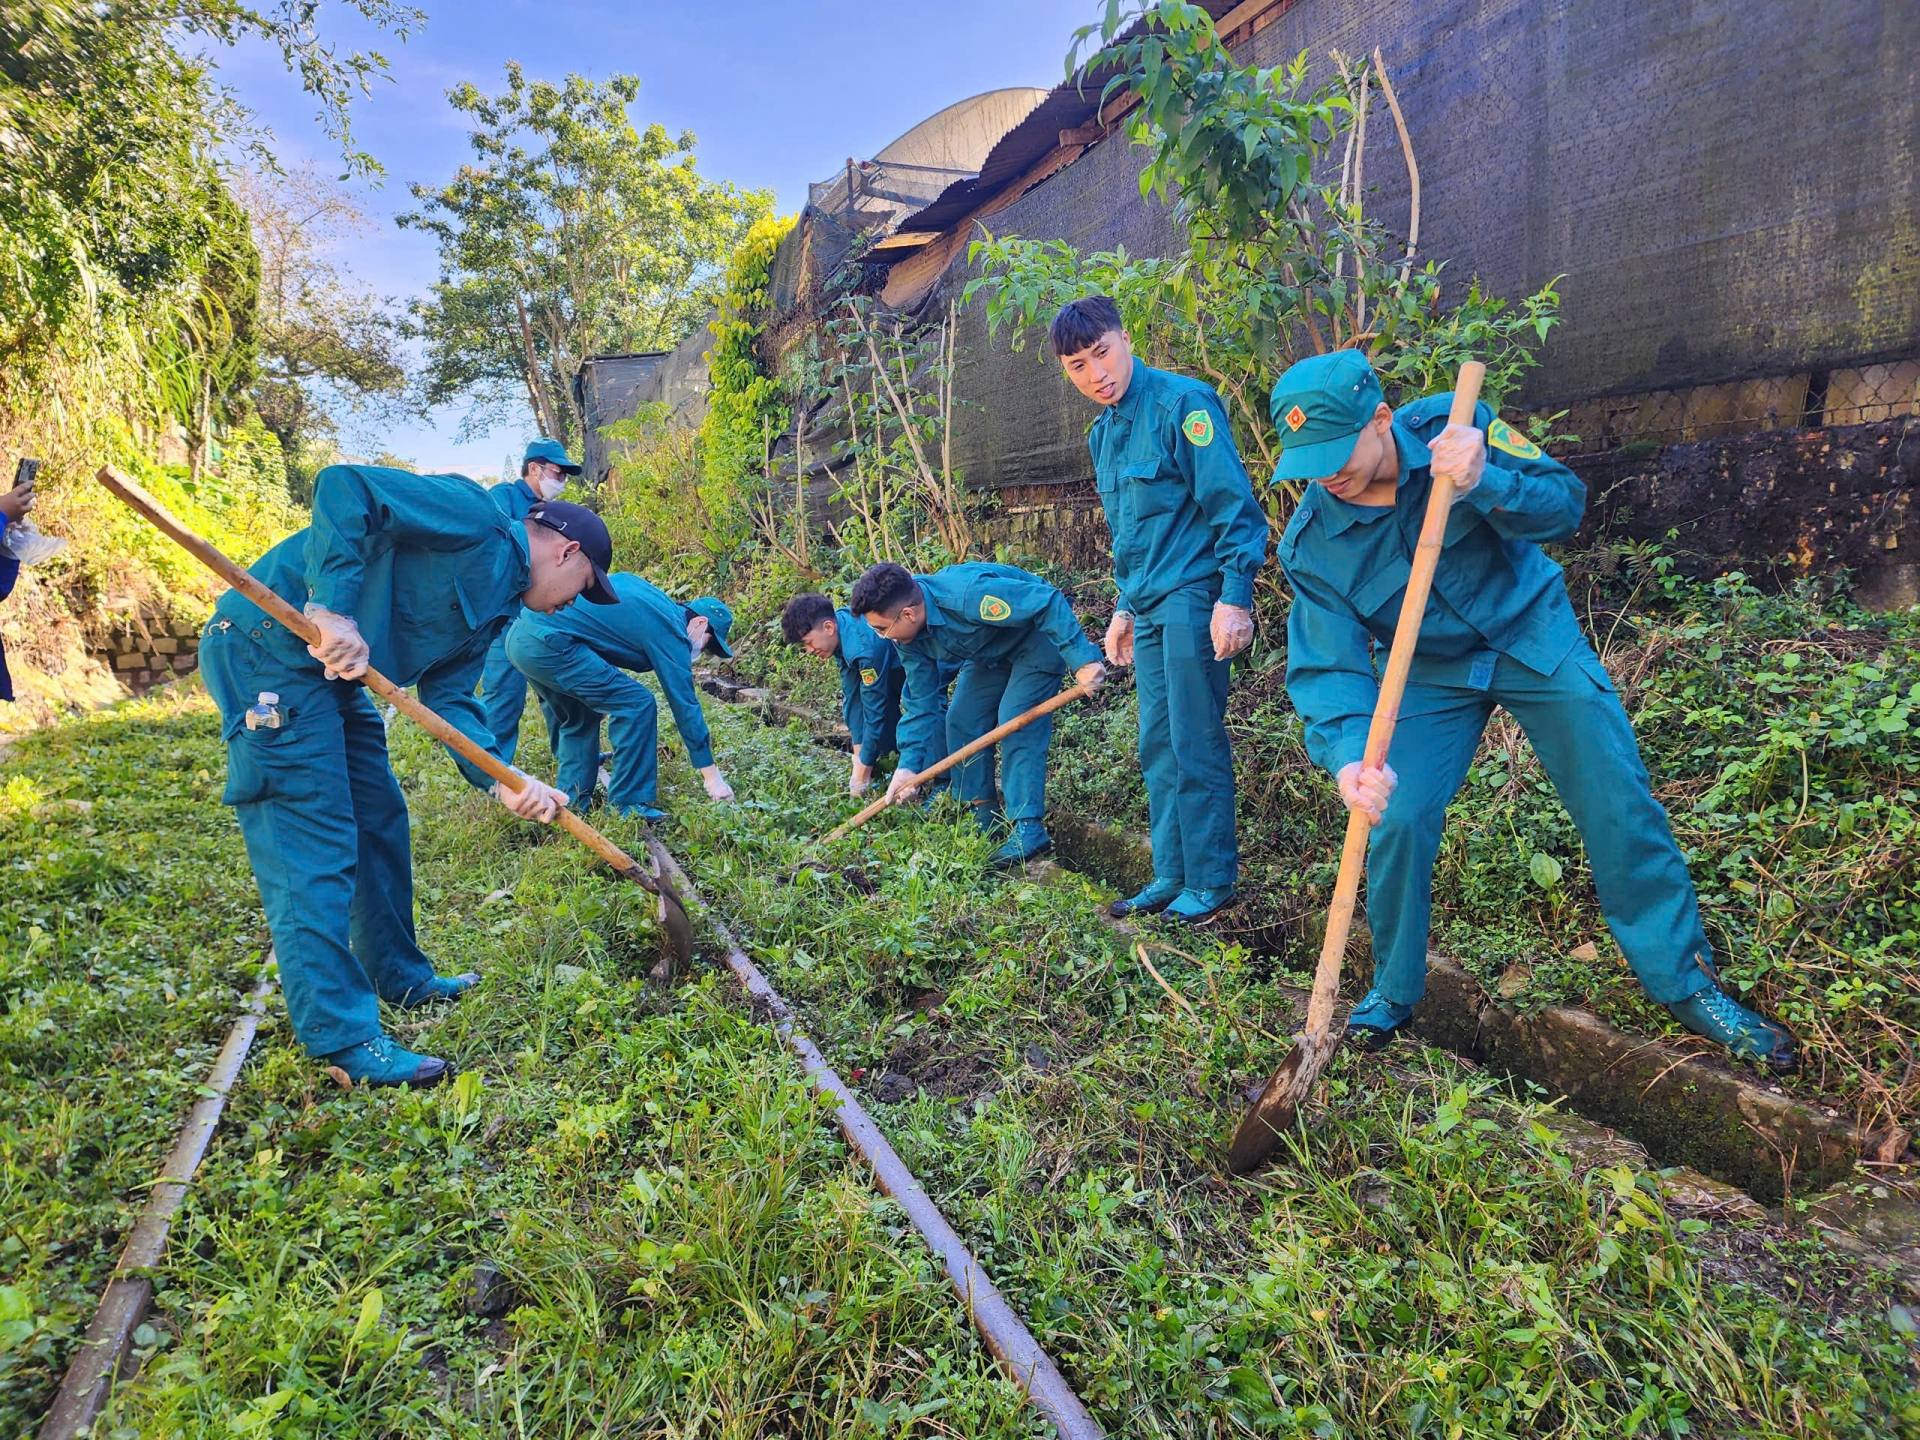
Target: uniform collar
{"type": "Point", "coordinates": [934, 617]}
{"type": "Point", "coordinates": [527, 490]}
{"type": "Point", "coordinates": [1340, 515]}
{"type": "Point", "coordinates": [1129, 404]}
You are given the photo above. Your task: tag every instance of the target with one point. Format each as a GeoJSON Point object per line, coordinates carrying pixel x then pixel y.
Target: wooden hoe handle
{"type": "Point", "coordinates": [397, 696]}
{"type": "Point", "coordinates": [964, 753]}
{"type": "Point", "coordinates": [1386, 714]}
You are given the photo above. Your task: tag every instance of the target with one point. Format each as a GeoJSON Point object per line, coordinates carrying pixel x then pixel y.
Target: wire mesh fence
{"type": "Point", "coordinates": [1855, 395]}
{"type": "Point", "coordinates": [869, 194]}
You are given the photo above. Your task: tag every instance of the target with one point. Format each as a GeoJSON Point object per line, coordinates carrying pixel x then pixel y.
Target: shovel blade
{"type": "Point", "coordinates": [678, 929]}
{"type": "Point", "coordinates": [1278, 1108]}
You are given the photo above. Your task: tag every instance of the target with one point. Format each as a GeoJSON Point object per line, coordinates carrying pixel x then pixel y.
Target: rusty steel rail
{"type": "Point", "coordinates": [96, 1368]}
{"type": "Point", "coordinates": [1011, 1343]}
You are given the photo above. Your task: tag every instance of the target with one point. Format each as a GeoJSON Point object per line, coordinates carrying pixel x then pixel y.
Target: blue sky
{"type": "Point", "coordinates": [779, 95]}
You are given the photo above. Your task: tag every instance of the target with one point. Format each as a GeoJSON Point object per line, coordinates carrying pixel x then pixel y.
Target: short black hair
{"type": "Point", "coordinates": [1081, 323]}
{"type": "Point", "coordinates": [804, 614]}
{"type": "Point", "coordinates": [883, 590]}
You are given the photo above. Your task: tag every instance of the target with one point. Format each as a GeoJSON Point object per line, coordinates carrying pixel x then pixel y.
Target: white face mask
{"type": "Point", "coordinates": [549, 488]}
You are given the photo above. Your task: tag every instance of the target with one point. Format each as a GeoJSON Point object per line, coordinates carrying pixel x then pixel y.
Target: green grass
{"type": "Point", "coordinates": [688, 1248]}
{"type": "Point", "coordinates": [1783, 736]}
{"type": "Point", "coordinates": [1434, 1261]}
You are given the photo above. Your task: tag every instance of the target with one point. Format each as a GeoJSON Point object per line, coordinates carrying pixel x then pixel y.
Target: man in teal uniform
{"type": "Point", "coordinates": [1188, 538]}
{"type": "Point", "coordinates": [1498, 630]}
{"type": "Point", "coordinates": [871, 676]}
{"type": "Point", "coordinates": [1011, 636]}
{"type": "Point", "coordinates": [412, 574]}
{"type": "Point", "coordinates": [503, 690]}
{"type": "Point", "coordinates": [577, 662]}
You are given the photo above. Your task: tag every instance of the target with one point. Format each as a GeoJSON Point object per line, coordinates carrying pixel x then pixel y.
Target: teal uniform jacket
{"type": "Point", "coordinates": [429, 570]}
{"type": "Point", "coordinates": [1178, 501]}
{"type": "Point", "coordinates": [1187, 533]}
{"type": "Point", "coordinates": [503, 689]}
{"type": "Point", "coordinates": [1499, 630]}
{"type": "Point", "coordinates": [427, 566]}
{"type": "Point", "coordinates": [871, 678]}
{"type": "Point", "coordinates": [577, 663]}
{"type": "Point", "coordinates": [1005, 636]}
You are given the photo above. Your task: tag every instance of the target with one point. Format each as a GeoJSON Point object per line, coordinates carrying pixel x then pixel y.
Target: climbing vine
{"type": "Point", "coordinates": [746, 405]}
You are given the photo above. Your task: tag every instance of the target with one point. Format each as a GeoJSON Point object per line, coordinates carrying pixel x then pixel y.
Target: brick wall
{"type": "Point", "coordinates": [150, 649]}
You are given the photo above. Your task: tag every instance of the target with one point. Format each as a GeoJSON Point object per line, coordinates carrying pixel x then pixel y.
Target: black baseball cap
{"type": "Point", "coordinates": [589, 531]}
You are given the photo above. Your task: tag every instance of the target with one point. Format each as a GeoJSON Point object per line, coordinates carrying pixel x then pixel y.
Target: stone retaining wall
{"type": "Point", "coordinates": [149, 650]}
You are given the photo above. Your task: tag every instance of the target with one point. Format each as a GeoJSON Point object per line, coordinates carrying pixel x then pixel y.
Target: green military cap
{"type": "Point", "coordinates": [1320, 406]}
{"type": "Point", "coordinates": [553, 452]}
{"type": "Point", "coordinates": [719, 621]}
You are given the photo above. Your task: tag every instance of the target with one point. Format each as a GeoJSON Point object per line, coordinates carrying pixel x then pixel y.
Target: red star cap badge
{"type": "Point", "coordinates": [1296, 417]}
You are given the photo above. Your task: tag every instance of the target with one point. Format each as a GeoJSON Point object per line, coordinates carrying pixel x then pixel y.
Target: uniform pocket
{"type": "Point", "coordinates": [1152, 492]}
{"type": "Point", "coordinates": [1381, 588]}
{"type": "Point", "coordinates": [1589, 663]}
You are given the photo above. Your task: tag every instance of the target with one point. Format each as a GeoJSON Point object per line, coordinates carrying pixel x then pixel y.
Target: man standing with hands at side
{"type": "Point", "coordinates": [1188, 538]}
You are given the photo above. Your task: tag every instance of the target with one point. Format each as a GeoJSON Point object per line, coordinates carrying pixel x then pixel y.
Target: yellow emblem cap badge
{"type": "Point", "coordinates": [1296, 417]}
{"type": "Point", "coordinates": [1198, 427]}
{"type": "Point", "coordinates": [992, 607]}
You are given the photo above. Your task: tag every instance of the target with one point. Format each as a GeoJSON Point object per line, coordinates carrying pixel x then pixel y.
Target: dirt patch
{"type": "Point", "coordinates": [942, 1071]}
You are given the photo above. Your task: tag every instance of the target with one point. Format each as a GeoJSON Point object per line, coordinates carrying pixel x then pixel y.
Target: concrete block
{"type": "Point", "coordinates": [165, 645]}
{"type": "Point", "coordinates": [129, 661]}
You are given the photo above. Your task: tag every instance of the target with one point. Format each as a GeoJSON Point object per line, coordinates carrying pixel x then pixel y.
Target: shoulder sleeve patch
{"type": "Point", "coordinates": [1198, 428]}
{"type": "Point", "coordinates": [869, 675]}
{"type": "Point", "coordinates": [993, 609]}
{"type": "Point", "coordinates": [1503, 436]}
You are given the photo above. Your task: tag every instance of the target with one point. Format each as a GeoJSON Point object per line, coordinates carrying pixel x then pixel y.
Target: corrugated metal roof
{"type": "Point", "coordinates": [1068, 107]}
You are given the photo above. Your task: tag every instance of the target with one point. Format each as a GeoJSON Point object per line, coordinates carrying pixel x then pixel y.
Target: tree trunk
{"type": "Point", "coordinates": [536, 382]}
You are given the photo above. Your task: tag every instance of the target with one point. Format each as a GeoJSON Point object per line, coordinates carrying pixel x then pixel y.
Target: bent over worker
{"type": "Point", "coordinates": [1188, 538]}
{"type": "Point", "coordinates": [544, 469]}
{"type": "Point", "coordinates": [1498, 630]}
{"type": "Point", "coordinates": [871, 677]}
{"type": "Point", "coordinates": [412, 574]}
{"type": "Point", "coordinates": [577, 663]}
{"type": "Point", "coordinates": [1011, 635]}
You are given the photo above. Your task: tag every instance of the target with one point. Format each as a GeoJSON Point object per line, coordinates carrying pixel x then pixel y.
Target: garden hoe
{"type": "Point", "coordinates": [672, 913]}
{"type": "Point", "coordinates": [1279, 1103]}
{"type": "Point", "coordinates": [964, 753]}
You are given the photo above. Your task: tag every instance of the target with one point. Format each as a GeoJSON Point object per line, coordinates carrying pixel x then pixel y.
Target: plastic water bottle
{"type": "Point", "coordinates": [264, 714]}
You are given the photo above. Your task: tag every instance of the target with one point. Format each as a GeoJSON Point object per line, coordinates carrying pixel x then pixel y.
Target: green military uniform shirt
{"type": "Point", "coordinates": [1494, 592]}
{"type": "Point", "coordinates": [427, 566]}
{"type": "Point", "coordinates": [1177, 499]}
{"type": "Point", "coordinates": [976, 611]}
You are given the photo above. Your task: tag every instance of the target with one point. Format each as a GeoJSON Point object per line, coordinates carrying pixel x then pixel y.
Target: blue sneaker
{"type": "Point", "coordinates": [1029, 839]}
{"type": "Point", "coordinates": [381, 1062]}
{"type": "Point", "coordinates": [440, 987]}
{"type": "Point", "coordinates": [1197, 907]}
{"type": "Point", "coordinates": [1725, 1021]}
{"type": "Point", "coordinates": [1375, 1021]}
{"type": "Point", "coordinates": [1151, 901]}
{"type": "Point", "coordinates": [648, 813]}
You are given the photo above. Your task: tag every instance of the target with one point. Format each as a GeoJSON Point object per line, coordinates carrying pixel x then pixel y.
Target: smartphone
{"type": "Point", "coordinates": [24, 472]}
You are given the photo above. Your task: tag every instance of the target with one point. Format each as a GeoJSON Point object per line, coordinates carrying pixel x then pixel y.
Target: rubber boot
{"type": "Point", "coordinates": [381, 1062]}
{"type": "Point", "coordinates": [1713, 1013]}
{"type": "Point", "coordinates": [440, 987]}
{"type": "Point", "coordinates": [1158, 895]}
{"type": "Point", "coordinates": [1197, 907]}
{"type": "Point", "coordinates": [1029, 839]}
{"type": "Point", "coordinates": [1375, 1021]}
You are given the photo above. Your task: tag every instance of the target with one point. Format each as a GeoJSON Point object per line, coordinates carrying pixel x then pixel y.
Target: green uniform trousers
{"type": "Point", "coordinates": [503, 697]}
{"type": "Point", "coordinates": [1183, 741]}
{"type": "Point", "coordinates": [1580, 731]}
{"type": "Point", "coordinates": [576, 690]}
{"type": "Point", "coordinates": [989, 693]}
{"type": "Point", "coordinates": [326, 830]}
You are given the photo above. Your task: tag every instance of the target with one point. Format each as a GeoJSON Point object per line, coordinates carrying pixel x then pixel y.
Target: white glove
{"type": "Point", "coordinates": [1367, 788]}
{"type": "Point", "coordinates": [1459, 458]}
{"type": "Point", "coordinates": [716, 783]}
{"type": "Point", "coordinates": [862, 778]}
{"type": "Point", "coordinates": [1232, 630]}
{"type": "Point", "coordinates": [536, 801]}
{"type": "Point", "coordinates": [1093, 674]}
{"type": "Point", "coordinates": [340, 647]}
{"type": "Point", "coordinates": [901, 786]}
{"type": "Point", "coordinates": [1119, 641]}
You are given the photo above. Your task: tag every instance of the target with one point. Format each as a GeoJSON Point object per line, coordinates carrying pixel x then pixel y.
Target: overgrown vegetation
{"type": "Point", "coordinates": [679, 1235]}
{"type": "Point", "coordinates": [1283, 259]}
